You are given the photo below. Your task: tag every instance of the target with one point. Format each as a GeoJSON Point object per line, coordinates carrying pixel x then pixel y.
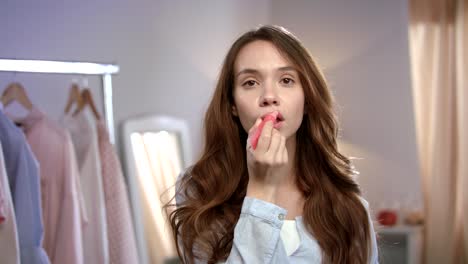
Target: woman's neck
{"type": "Point", "coordinates": [292, 200]}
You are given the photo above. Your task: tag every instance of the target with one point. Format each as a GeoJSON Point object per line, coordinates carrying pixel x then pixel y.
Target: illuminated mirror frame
{"type": "Point", "coordinates": [149, 123]}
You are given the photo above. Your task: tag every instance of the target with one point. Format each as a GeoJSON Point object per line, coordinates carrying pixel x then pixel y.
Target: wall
{"type": "Point", "coordinates": [362, 47]}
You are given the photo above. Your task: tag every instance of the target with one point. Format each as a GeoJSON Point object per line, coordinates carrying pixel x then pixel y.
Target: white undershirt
{"type": "Point", "coordinates": [290, 236]}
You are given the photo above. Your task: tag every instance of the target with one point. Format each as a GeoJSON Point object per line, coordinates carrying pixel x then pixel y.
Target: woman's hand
{"type": "Point", "coordinates": [267, 164]}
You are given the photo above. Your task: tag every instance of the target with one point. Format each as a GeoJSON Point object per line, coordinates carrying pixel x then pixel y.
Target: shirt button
{"type": "Point", "coordinates": [281, 217]}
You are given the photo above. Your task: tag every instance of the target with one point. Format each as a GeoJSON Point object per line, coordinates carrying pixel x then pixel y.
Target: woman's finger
{"type": "Point", "coordinates": [255, 125]}
{"type": "Point", "coordinates": [280, 148]}
{"type": "Point", "coordinates": [265, 138]}
{"type": "Point", "coordinates": [285, 153]}
{"type": "Point", "coordinates": [274, 144]}
{"type": "Point", "coordinates": [253, 134]}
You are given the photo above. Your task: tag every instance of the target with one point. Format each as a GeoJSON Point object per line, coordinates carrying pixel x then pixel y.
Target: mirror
{"type": "Point", "coordinates": [157, 149]}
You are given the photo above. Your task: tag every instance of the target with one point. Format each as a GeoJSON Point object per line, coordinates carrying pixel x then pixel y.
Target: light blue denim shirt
{"type": "Point", "coordinates": [257, 236]}
{"type": "Point", "coordinates": [23, 175]}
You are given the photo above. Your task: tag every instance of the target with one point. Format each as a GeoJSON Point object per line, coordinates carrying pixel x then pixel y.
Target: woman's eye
{"type": "Point", "coordinates": [249, 83]}
{"type": "Point", "coordinates": [287, 81]}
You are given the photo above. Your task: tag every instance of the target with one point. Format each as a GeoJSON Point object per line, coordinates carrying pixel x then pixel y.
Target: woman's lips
{"type": "Point", "coordinates": [278, 119]}
{"type": "Point", "coordinates": [278, 125]}
{"type": "Point", "coordinates": [273, 114]}
{"type": "Point", "coordinates": [277, 114]}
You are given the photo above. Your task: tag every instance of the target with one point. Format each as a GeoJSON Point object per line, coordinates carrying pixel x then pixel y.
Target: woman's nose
{"type": "Point", "coordinates": [269, 100]}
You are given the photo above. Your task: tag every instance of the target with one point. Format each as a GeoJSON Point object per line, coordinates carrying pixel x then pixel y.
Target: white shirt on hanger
{"type": "Point", "coordinates": [83, 130]}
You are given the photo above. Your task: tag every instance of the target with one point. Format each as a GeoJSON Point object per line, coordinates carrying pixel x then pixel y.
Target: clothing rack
{"type": "Point", "coordinates": [68, 67]}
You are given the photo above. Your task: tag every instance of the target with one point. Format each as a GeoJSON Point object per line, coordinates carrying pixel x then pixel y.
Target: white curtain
{"type": "Point", "coordinates": [438, 35]}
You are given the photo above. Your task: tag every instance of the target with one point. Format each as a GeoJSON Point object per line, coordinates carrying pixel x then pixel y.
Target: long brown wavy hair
{"type": "Point", "coordinates": [210, 193]}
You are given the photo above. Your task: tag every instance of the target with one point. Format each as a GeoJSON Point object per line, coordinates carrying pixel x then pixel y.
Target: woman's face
{"type": "Point", "coordinates": [265, 81]}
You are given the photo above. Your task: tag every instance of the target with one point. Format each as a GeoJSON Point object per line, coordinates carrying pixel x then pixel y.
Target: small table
{"type": "Point", "coordinates": [400, 244]}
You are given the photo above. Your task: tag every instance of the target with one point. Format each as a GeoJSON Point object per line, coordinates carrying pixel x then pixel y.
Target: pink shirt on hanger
{"type": "Point", "coordinates": [122, 244]}
{"type": "Point", "coordinates": [60, 189]}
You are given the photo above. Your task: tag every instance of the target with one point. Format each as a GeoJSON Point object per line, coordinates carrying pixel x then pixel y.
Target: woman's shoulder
{"type": "Point", "coordinates": [374, 255]}
{"type": "Point", "coordinates": [364, 202]}
{"type": "Point", "coordinates": [182, 178]}
{"type": "Point", "coordinates": [367, 207]}
{"type": "Point", "coordinates": [183, 175]}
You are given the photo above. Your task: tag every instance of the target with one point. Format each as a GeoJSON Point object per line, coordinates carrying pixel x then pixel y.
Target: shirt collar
{"type": "Point", "coordinates": [34, 116]}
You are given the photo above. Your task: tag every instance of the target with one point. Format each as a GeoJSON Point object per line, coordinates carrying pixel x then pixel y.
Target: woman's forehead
{"type": "Point", "coordinates": [260, 55]}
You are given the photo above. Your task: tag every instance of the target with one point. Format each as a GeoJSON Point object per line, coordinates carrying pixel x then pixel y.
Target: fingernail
{"type": "Point", "coordinates": [259, 120]}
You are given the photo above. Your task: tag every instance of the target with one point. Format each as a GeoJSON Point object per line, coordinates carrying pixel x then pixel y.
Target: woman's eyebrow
{"type": "Point", "coordinates": [246, 71]}
{"type": "Point", "coordinates": [287, 68]}
{"type": "Point", "coordinates": [254, 71]}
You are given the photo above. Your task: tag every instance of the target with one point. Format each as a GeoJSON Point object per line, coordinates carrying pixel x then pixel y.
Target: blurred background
{"type": "Point", "coordinates": [397, 70]}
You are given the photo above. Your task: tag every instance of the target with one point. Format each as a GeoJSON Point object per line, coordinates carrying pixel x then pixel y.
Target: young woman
{"type": "Point", "coordinates": [292, 198]}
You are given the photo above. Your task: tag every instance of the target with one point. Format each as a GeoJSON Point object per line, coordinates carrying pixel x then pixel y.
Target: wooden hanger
{"type": "Point", "coordinates": [74, 97]}
{"type": "Point", "coordinates": [16, 92]}
{"type": "Point", "coordinates": [87, 99]}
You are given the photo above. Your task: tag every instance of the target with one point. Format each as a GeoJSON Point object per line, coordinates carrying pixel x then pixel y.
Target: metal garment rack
{"type": "Point", "coordinates": [79, 68]}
